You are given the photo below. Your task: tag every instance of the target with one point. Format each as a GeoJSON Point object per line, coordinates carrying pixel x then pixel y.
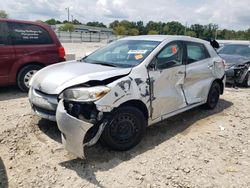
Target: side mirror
{"type": "Point", "coordinates": [152, 64]}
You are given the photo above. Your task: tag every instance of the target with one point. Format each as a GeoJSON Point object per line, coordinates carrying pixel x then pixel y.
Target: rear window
{"type": "Point", "coordinates": [196, 52]}
{"type": "Point", "coordinates": [28, 34]}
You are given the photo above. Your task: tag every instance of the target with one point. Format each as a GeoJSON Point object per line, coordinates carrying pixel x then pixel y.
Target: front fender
{"type": "Point", "coordinates": [123, 90]}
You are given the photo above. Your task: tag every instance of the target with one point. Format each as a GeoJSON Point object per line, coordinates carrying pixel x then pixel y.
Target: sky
{"type": "Point", "coordinates": [228, 14]}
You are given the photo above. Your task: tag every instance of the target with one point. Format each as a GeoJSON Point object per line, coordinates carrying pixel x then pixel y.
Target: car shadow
{"type": "Point", "coordinates": [50, 129]}
{"type": "Point", "coordinates": [11, 92]}
{"type": "Point", "coordinates": [99, 158]}
{"type": "Point", "coordinates": [235, 86]}
{"type": "Point", "coordinates": [3, 175]}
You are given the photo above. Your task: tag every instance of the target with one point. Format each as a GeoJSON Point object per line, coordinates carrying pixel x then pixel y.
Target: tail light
{"type": "Point", "coordinates": [61, 52]}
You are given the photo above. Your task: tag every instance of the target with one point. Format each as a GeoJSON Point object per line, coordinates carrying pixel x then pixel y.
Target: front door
{"type": "Point", "coordinates": [167, 80]}
{"type": "Point", "coordinates": [7, 54]}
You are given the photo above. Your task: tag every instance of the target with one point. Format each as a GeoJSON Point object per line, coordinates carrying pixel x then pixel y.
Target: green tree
{"type": "Point", "coordinates": [76, 22]}
{"type": "Point", "coordinates": [210, 30]}
{"type": "Point", "coordinates": [190, 33]}
{"type": "Point", "coordinates": [153, 32]}
{"type": "Point", "coordinates": [51, 21]}
{"type": "Point", "coordinates": [126, 24]}
{"type": "Point", "coordinates": [120, 30]}
{"type": "Point", "coordinates": [174, 28]}
{"type": "Point", "coordinates": [133, 32]}
{"type": "Point", "coordinates": [248, 34]}
{"type": "Point", "coordinates": [96, 24]}
{"type": "Point", "coordinates": [198, 29]}
{"type": "Point", "coordinates": [155, 26]}
{"type": "Point", "coordinates": [67, 27]}
{"type": "Point", "coordinates": [140, 26]}
{"type": "Point", "coordinates": [114, 24]}
{"type": "Point", "coordinates": [3, 14]}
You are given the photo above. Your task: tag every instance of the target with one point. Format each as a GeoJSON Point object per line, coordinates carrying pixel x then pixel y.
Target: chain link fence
{"type": "Point", "coordinates": [79, 37]}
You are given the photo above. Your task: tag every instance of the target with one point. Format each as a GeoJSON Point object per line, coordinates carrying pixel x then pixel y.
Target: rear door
{"type": "Point", "coordinates": [167, 79]}
{"type": "Point", "coordinates": [33, 43]}
{"type": "Point", "coordinates": [7, 54]}
{"type": "Point", "coordinates": [199, 74]}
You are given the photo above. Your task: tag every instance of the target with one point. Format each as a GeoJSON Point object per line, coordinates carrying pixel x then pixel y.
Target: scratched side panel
{"type": "Point", "coordinates": [135, 86]}
{"type": "Point", "coordinates": [167, 90]}
{"type": "Point", "coordinates": [197, 82]}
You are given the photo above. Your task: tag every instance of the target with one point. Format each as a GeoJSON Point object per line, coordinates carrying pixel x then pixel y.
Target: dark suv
{"type": "Point", "coordinates": [26, 47]}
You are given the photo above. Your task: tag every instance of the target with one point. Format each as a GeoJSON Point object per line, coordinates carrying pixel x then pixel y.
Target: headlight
{"type": "Point", "coordinates": [82, 94]}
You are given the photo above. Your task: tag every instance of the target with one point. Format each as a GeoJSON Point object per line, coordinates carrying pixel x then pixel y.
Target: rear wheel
{"type": "Point", "coordinates": [24, 76]}
{"type": "Point", "coordinates": [246, 82]}
{"type": "Point", "coordinates": [213, 96]}
{"type": "Point", "coordinates": [125, 129]}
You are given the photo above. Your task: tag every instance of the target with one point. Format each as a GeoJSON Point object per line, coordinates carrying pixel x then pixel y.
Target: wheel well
{"type": "Point", "coordinates": [139, 105]}
{"type": "Point", "coordinates": [27, 64]}
{"type": "Point", "coordinates": [220, 82]}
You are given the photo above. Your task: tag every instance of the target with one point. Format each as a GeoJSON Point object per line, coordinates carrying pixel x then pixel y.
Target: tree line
{"type": "Point", "coordinates": [126, 27]}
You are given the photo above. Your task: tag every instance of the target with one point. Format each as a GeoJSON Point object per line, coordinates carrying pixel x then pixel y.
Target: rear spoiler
{"type": "Point", "coordinates": [213, 42]}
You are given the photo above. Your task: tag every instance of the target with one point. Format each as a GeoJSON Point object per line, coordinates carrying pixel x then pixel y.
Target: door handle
{"type": "Point", "coordinates": [180, 72]}
{"type": "Point", "coordinates": [210, 66]}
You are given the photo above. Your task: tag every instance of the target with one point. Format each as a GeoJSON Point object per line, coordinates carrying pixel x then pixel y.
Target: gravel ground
{"type": "Point", "coordinates": [197, 148]}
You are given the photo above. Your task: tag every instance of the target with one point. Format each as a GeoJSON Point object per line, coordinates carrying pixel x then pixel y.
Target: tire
{"type": "Point", "coordinates": [246, 82]}
{"type": "Point", "coordinates": [213, 96]}
{"type": "Point", "coordinates": [125, 129]}
{"type": "Point", "coordinates": [24, 76]}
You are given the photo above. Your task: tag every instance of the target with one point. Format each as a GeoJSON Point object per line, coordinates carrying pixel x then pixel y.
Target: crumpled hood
{"type": "Point", "coordinates": [234, 59]}
{"type": "Point", "coordinates": [55, 78]}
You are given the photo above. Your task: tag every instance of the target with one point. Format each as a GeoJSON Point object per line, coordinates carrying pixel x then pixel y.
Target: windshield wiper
{"type": "Point", "coordinates": [105, 64]}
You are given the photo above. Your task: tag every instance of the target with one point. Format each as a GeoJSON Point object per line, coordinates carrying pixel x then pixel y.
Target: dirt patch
{"type": "Point", "coordinates": [197, 148]}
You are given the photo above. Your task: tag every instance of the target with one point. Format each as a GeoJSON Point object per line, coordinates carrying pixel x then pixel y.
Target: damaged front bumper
{"type": "Point", "coordinates": [74, 131]}
{"type": "Point", "coordinates": [43, 105]}
{"type": "Point", "coordinates": [237, 74]}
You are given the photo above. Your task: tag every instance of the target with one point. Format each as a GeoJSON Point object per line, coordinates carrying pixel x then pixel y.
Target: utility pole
{"type": "Point", "coordinates": [68, 12]}
{"type": "Point", "coordinates": [72, 18]}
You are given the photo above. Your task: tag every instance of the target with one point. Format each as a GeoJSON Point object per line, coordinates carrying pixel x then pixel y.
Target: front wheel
{"type": "Point", "coordinates": [24, 76]}
{"type": "Point", "coordinates": [213, 96]}
{"type": "Point", "coordinates": [125, 129]}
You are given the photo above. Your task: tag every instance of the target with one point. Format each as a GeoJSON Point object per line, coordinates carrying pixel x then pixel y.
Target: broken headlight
{"type": "Point", "coordinates": [81, 94]}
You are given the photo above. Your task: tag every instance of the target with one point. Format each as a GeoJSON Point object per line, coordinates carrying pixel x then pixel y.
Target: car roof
{"type": "Point", "coordinates": [227, 42]}
{"type": "Point", "coordinates": [26, 22]}
{"type": "Point", "coordinates": [237, 44]}
{"type": "Point", "coordinates": [161, 38]}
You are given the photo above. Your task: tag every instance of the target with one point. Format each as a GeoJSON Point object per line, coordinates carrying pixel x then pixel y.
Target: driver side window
{"type": "Point", "coordinates": [170, 56]}
{"type": "Point", "coordinates": [3, 32]}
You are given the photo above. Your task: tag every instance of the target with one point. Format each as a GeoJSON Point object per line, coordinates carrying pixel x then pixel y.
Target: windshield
{"type": "Point", "coordinates": [235, 49]}
{"type": "Point", "coordinates": [123, 53]}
